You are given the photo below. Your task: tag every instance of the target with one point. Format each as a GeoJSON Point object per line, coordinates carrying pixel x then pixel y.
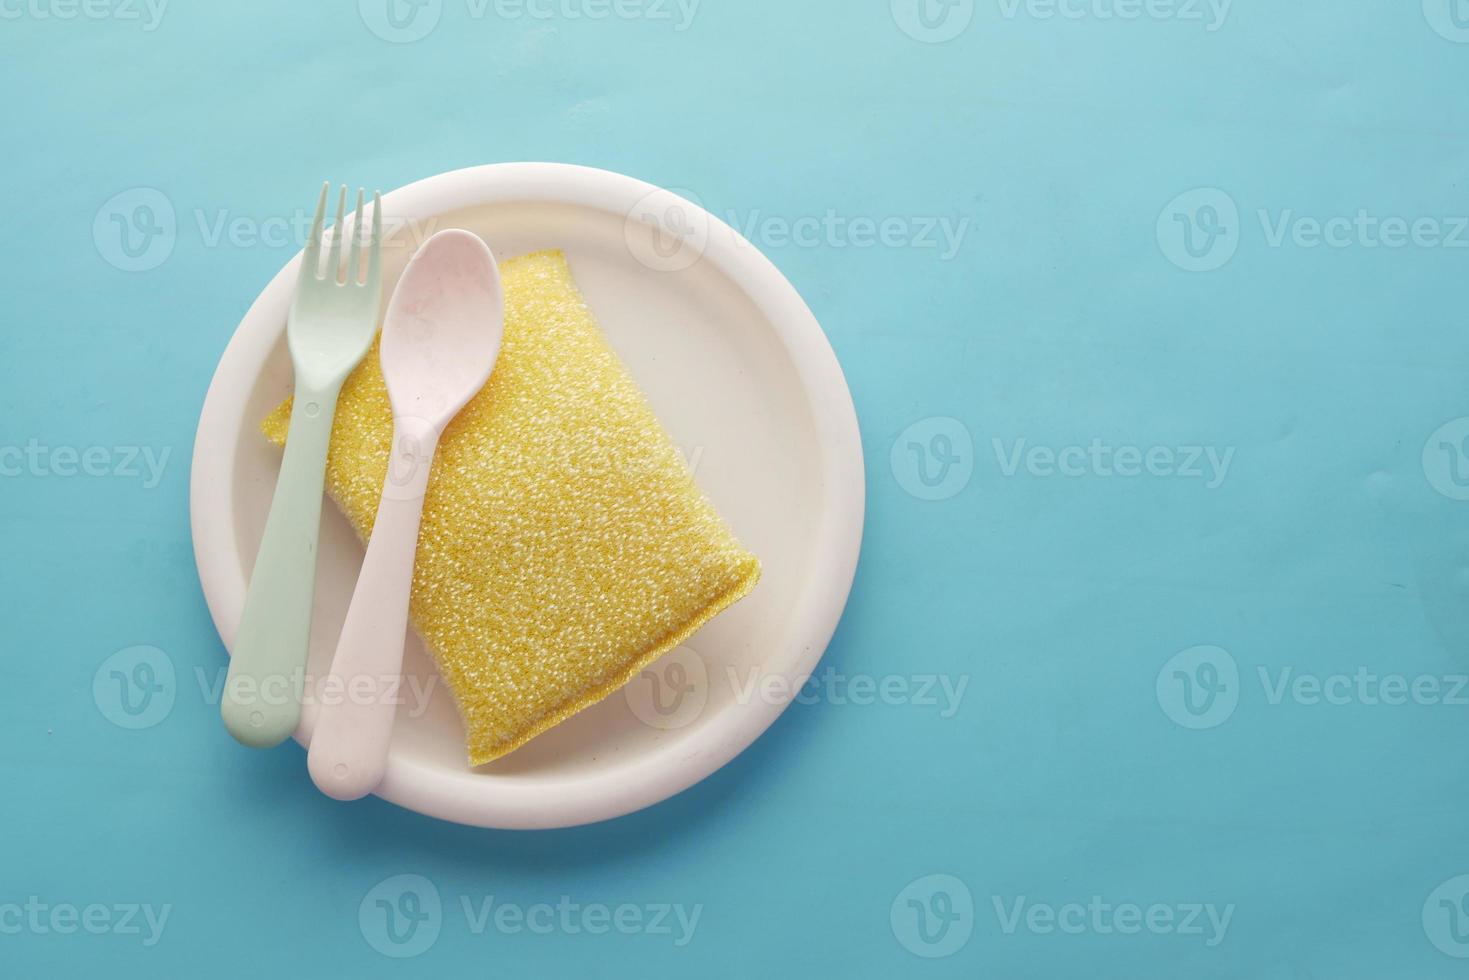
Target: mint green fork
{"type": "Point", "coordinates": [331, 326]}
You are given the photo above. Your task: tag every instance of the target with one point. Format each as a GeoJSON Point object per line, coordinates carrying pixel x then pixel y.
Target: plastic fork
{"type": "Point", "coordinates": [332, 322]}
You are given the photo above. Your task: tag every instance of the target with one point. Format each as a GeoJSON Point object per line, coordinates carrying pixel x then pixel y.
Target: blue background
{"type": "Point", "coordinates": [1069, 314]}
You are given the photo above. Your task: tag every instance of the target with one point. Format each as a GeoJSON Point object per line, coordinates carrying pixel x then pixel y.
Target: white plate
{"type": "Point", "coordinates": [739, 372]}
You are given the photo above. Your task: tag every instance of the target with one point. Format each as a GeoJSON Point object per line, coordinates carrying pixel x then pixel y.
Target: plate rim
{"type": "Point", "coordinates": [589, 799]}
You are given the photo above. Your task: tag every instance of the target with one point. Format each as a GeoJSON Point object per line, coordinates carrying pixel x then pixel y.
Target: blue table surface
{"type": "Point", "coordinates": [1153, 314]}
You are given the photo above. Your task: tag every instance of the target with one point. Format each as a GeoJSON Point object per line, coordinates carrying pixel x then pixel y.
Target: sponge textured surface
{"type": "Point", "coordinates": [564, 545]}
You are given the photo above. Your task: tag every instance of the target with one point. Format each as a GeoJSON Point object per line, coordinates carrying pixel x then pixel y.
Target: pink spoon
{"type": "Point", "coordinates": [440, 340]}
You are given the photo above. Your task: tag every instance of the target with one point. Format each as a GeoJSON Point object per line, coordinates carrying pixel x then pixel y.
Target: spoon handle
{"type": "Point", "coordinates": [261, 702]}
{"type": "Point", "coordinates": [354, 724]}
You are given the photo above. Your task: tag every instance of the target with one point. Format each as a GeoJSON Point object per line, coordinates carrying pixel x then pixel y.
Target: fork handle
{"type": "Point", "coordinates": [261, 703]}
{"type": "Point", "coordinates": [354, 721]}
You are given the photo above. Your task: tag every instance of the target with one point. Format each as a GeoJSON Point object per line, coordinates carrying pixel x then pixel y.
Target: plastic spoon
{"type": "Point", "coordinates": [441, 337]}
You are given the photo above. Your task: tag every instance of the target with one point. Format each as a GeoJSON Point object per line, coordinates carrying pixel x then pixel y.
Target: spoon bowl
{"type": "Point", "coordinates": [443, 328]}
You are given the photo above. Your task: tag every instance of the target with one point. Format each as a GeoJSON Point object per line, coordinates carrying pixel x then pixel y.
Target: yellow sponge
{"type": "Point", "coordinates": [565, 545]}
